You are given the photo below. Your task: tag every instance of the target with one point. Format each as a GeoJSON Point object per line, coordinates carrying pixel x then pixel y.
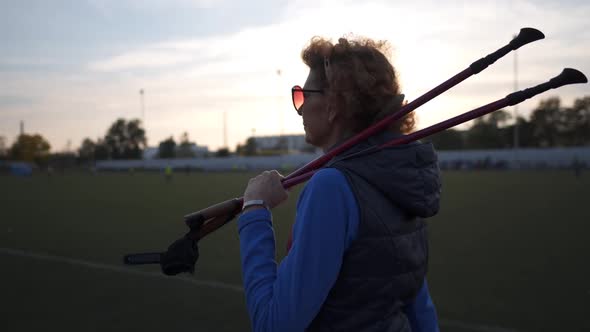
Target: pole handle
{"type": "Point", "coordinates": [567, 76]}
{"type": "Point", "coordinates": [226, 208]}
{"type": "Point", "coordinates": [525, 36]}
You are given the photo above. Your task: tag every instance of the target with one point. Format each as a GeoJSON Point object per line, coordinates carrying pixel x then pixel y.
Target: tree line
{"type": "Point", "coordinates": [127, 140]}
{"type": "Point", "coordinates": [550, 125]}
{"type": "Point", "coordinates": [124, 139]}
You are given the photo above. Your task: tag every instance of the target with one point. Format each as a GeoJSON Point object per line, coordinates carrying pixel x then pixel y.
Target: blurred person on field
{"type": "Point", "coordinates": [358, 253]}
{"type": "Point", "coordinates": [168, 173]}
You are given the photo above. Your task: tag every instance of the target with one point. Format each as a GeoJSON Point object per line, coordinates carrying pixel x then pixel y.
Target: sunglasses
{"type": "Point", "coordinates": [298, 96]}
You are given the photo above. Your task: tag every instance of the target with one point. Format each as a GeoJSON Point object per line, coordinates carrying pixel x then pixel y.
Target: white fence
{"type": "Point", "coordinates": [517, 158]}
{"type": "Point", "coordinates": [520, 158]}
{"type": "Point", "coordinates": [211, 164]}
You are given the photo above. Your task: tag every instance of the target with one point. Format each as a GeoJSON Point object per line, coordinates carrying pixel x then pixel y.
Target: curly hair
{"type": "Point", "coordinates": [362, 80]}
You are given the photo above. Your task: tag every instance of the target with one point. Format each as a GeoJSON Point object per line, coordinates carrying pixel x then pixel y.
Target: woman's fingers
{"type": "Point", "coordinates": [268, 187]}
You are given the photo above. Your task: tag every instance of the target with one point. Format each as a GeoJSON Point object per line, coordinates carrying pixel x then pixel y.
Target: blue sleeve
{"type": "Point", "coordinates": [288, 297]}
{"type": "Point", "coordinates": [422, 313]}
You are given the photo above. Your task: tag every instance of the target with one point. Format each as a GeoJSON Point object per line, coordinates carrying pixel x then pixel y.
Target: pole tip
{"type": "Point", "coordinates": [569, 76]}
{"type": "Point", "coordinates": [525, 36]}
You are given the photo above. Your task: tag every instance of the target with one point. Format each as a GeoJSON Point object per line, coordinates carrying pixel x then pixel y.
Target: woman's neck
{"type": "Point", "coordinates": [338, 137]}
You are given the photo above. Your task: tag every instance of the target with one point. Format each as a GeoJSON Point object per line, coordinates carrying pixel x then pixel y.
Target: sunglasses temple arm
{"type": "Point", "coordinates": [526, 35]}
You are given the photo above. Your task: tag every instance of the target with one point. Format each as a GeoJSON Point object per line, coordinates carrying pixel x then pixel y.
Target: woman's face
{"type": "Point", "coordinates": [315, 112]}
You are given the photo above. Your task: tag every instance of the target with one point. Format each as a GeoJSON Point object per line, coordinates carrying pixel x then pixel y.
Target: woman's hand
{"type": "Point", "coordinates": [267, 187]}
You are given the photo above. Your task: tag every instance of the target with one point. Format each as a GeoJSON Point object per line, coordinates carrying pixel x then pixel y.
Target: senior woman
{"type": "Point", "coordinates": [359, 250]}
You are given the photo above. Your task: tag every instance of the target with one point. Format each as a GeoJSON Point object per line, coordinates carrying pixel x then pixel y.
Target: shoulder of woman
{"type": "Point", "coordinates": [328, 178]}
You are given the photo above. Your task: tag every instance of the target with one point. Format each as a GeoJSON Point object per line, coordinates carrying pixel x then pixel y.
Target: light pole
{"type": "Point", "coordinates": [516, 143]}
{"type": "Point", "coordinates": [284, 146]}
{"type": "Point", "coordinates": [142, 105]}
{"type": "Point", "coordinates": [516, 106]}
{"type": "Point", "coordinates": [279, 73]}
{"type": "Point", "coordinates": [225, 130]}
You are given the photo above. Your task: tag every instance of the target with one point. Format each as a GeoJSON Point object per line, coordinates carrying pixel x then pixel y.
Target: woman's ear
{"type": "Point", "coordinates": [333, 111]}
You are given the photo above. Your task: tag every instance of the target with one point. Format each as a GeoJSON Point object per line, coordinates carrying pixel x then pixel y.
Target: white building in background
{"type": "Point", "coordinates": [150, 153]}
{"type": "Point", "coordinates": [198, 150]}
{"type": "Point", "coordinates": [289, 143]}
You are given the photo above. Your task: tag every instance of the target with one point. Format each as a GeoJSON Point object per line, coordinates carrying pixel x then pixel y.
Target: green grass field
{"type": "Point", "coordinates": [509, 251]}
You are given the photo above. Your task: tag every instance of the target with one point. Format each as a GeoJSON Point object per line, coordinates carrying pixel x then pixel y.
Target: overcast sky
{"type": "Point", "coordinates": [70, 68]}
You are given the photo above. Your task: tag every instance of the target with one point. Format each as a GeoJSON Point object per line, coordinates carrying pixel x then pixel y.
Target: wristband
{"type": "Point", "coordinates": [254, 202]}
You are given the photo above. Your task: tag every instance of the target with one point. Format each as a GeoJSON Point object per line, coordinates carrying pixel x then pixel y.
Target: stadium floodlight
{"type": "Point", "coordinates": [182, 255]}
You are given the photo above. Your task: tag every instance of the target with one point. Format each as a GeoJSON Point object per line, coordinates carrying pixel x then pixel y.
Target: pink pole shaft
{"type": "Point", "coordinates": [483, 110]}
{"type": "Point", "coordinates": [457, 120]}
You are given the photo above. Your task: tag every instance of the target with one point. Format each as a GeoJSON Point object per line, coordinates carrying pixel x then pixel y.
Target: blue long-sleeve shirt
{"type": "Point", "coordinates": [287, 297]}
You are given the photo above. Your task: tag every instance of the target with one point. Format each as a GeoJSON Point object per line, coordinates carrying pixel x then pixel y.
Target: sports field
{"type": "Point", "coordinates": [509, 252]}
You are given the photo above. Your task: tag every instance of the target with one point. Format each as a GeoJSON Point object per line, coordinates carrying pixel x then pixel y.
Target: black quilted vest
{"type": "Point", "coordinates": [385, 266]}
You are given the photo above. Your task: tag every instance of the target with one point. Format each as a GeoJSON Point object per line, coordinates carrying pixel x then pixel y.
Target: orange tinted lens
{"type": "Point", "coordinates": [297, 97]}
